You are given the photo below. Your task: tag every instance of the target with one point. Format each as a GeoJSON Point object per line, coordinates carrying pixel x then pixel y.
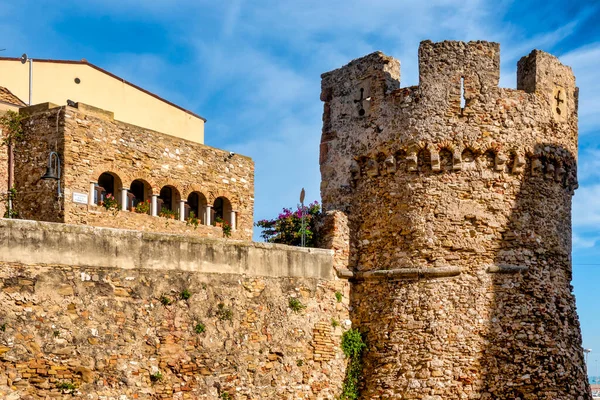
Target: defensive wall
{"type": "Point", "coordinates": [452, 202]}
{"type": "Point", "coordinates": [102, 309]}
{"type": "Point", "coordinates": [93, 146]}
{"type": "Point", "coordinates": [447, 209]}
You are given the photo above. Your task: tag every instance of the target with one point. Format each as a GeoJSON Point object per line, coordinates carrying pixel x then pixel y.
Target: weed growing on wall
{"type": "Point", "coordinates": [200, 328]}
{"type": "Point", "coordinates": [225, 396]}
{"type": "Point", "coordinates": [66, 387]}
{"type": "Point", "coordinates": [224, 313]}
{"type": "Point", "coordinates": [12, 128]}
{"type": "Point", "coordinates": [9, 200]}
{"type": "Point", "coordinates": [226, 229]}
{"type": "Point", "coordinates": [335, 323]}
{"type": "Point", "coordinates": [155, 377]}
{"type": "Point", "coordinates": [352, 346]}
{"type": "Point", "coordinates": [185, 294]}
{"type": "Point", "coordinates": [165, 301]}
{"type": "Point", "coordinates": [295, 304]}
{"type": "Point", "coordinates": [3, 327]}
{"type": "Point", "coordinates": [338, 296]}
{"type": "Point", "coordinates": [192, 220]}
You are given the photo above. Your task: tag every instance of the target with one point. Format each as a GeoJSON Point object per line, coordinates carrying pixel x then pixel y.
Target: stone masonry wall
{"type": "Point", "coordinates": [127, 333]}
{"type": "Point", "coordinates": [38, 199]}
{"type": "Point", "coordinates": [3, 169]}
{"type": "Point", "coordinates": [92, 142]}
{"type": "Point", "coordinates": [459, 227]}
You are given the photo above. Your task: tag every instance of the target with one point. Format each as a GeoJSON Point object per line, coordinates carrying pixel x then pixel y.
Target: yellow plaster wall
{"type": "Point", "coordinates": [55, 83]}
{"type": "Point", "coordinates": [7, 107]}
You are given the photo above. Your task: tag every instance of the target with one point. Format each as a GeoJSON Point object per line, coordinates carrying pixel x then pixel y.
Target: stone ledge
{"type": "Point", "coordinates": [506, 269]}
{"type": "Point", "coordinates": [35, 242]}
{"type": "Point", "coordinates": [407, 273]}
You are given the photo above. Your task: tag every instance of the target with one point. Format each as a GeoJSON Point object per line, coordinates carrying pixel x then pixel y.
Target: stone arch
{"type": "Point", "coordinates": [124, 177]}
{"type": "Point", "coordinates": [222, 209]}
{"type": "Point", "coordinates": [400, 156]}
{"type": "Point", "coordinates": [160, 183]}
{"type": "Point", "coordinates": [196, 203]}
{"type": "Point", "coordinates": [488, 159]}
{"type": "Point", "coordinates": [140, 190]}
{"type": "Point", "coordinates": [108, 183]}
{"type": "Point", "coordinates": [424, 160]}
{"type": "Point", "coordinates": [215, 194]}
{"type": "Point", "coordinates": [189, 189]}
{"type": "Point", "coordinates": [168, 199]}
{"type": "Point", "coordinates": [468, 158]}
{"type": "Point", "coordinates": [446, 159]}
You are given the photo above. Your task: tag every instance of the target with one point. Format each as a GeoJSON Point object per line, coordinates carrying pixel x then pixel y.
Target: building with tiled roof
{"type": "Point", "coordinates": [58, 81]}
{"type": "Point", "coordinates": [8, 101]}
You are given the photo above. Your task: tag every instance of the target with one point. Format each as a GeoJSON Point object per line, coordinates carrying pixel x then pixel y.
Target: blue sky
{"type": "Point", "coordinates": [252, 68]}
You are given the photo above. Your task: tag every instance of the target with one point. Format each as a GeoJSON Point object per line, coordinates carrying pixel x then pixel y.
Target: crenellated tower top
{"type": "Point", "coordinates": [451, 203]}
{"type": "Point", "coordinates": [456, 105]}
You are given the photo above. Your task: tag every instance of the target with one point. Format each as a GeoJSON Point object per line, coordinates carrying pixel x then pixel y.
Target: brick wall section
{"type": "Point", "coordinates": [92, 142]}
{"type": "Point", "coordinates": [459, 222]}
{"type": "Point", "coordinates": [91, 310]}
{"type": "Point", "coordinates": [106, 331]}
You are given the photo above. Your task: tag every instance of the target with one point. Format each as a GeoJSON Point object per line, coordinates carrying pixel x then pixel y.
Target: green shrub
{"type": "Point", "coordinates": [338, 296]}
{"type": "Point", "coordinates": [224, 313]}
{"type": "Point", "coordinates": [287, 227]}
{"type": "Point", "coordinates": [155, 377]}
{"type": "Point", "coordinates": [199, 328]}
{"type": "Point", "coordinates": [192, 220]}
{"type": "Point", "coordinates": [352, 346]}
{"type": "Point", "coordinates": [66, 387]}
{"type": "Point", "coordinates": [165, 300]}
{"type": "Point", "coordinates": [295, 304]}
{"type": "Point", "coordinates": [185, 294]}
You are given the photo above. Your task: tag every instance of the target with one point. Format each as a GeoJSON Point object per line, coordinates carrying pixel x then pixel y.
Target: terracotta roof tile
{"type": "Point", "coordinates": [6, 96]}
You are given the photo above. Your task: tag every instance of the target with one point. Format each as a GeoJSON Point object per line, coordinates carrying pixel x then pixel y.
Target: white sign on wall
{"type": "Point", "coordinates": [81, 198]}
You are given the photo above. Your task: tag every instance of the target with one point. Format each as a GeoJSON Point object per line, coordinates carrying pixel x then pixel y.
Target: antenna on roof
{"type": "Point", "coordinates": [24, 59]}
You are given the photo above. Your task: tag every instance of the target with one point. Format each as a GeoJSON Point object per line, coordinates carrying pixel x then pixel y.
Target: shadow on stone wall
{"type": "Point", "coordinates": [533, 339]}
{"type": "Point", "coordinates": [506, 327]}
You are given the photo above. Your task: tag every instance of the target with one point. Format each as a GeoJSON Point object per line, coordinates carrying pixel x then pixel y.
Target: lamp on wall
{"type": "Point", "coordinates": [53, 170]}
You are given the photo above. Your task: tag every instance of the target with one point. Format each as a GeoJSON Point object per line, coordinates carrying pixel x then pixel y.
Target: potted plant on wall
{"type": "Point", "coordinates": [168, 214]}
{"type": "Point", "coordinates": [143, 207]}
{"type": "Point", "coordinates": [111, 204]}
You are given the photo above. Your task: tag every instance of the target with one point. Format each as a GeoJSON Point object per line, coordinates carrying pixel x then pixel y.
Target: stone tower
{"type": "Point", "coordinates": [455, 196]}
